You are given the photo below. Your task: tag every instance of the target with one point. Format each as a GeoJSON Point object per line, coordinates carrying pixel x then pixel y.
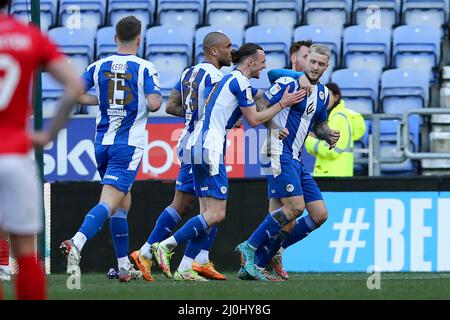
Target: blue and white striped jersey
{"type": "Point", "coordinates": [222, 111]}
{"type": "Point", "coordinates": [195, 85]}
{"type": "Point", "coordinates": [298, 119]}
{"type": "Point", "coordinates": [122, 83]}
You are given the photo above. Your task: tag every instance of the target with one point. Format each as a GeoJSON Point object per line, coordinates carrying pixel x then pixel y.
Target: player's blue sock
{"type": "Point", "coordinates": [202, 242]}
{"type": "Point", "coordinates": [94, 220]}
{"type": "Point", "coordinates": [302, 228]}
{"type": "Point", "coordinates": [167, 220]}
{"type": "Point", "coordinates": [194, 227]}
{"type": "Point", "coordinates": [271, 225]}
{"type": "Point", "coordinates": [119, 231]}
{"type": "Point", "coordinates": [267, 251]}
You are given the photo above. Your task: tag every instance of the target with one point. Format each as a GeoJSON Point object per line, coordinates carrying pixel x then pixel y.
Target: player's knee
{"type": "Point", "coordinates": [295, 210]}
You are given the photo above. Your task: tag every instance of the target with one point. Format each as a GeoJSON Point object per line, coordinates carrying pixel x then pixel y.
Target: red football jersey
{"type": "Point", "coordinates": [23, 49]}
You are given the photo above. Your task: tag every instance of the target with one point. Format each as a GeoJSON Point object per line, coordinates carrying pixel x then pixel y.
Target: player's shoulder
{"type": "Point", "coordinates": [322, 91]}
{"type": "Point", "coordinates": [145, 63]}
{"type": "Point", "coordinates": [286, 80]}
{"type": "Point", "coordinates": [242, 81]}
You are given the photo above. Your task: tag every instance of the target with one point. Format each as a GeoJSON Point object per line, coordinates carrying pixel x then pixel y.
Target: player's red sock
{"type": "Point", "coordinates": [30, 280]}
{"type": "Point", "coordinates": [4, 253]}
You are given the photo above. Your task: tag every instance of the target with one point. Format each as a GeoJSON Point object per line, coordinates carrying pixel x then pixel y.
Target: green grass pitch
{"type": "Point", "coordinates": [300, 286]}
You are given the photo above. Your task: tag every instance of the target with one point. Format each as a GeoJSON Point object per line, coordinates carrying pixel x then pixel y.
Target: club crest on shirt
{"type": "Point", "coordinates": [322, 95]}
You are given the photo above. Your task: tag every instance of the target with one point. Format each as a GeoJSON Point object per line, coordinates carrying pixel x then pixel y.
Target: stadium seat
{"type": "Point", "coordinates": [432, 13]}
{"type": "Point", "coordinates": [48, 8]}
{"type": "Point", "coordinates": [106, 45]}
{"type": "Point", "coordinates": [237, 13]}
{"type": "Point", "coordinates": [274, 40]}
{"type": "Point", "coordinates": [367, 49]}
{"type": "Point", "coordinates": [78, 44]}
{"type": "Point", "coordinates": [359, 89]}
{"type": "Point", "coordinates": [416, 48]}
{"type": "Point", "coordinates": [186, 13]}
{"type": "Point", "coordinates": [327, 13]}
{"type": "Point", "coordinates": [51, 92]}
{"type": "Point", "coordinates": [87, 14]}
{"type": "Point", "coordinates": [324, 35]}
{"type": "Point", "coordinates": [375, 13]}
{"type": "Point", "coordinates": [141, 9]}
{"type": "Point", "coordinates": [235, 34]}
{"type": "Point", "coordinates": [286, 13]}
{"type": "Point", "coordinates": [263, 81]}
{"type": "Point", "coordinates": [170, 49]}
{"type": "Point", "coordinates": [402, 90]}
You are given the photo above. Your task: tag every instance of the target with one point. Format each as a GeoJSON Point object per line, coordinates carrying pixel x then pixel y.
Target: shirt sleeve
{"type": "Point", "coordinates": [151, 82]}
{"type": "Point", "coordinates": [276, 74]}
{"type": "Point", "coordinates": [244, 97]}
{"type": "Point", "coordinates": [178, 86]}
{"type": "Point", "coordinates": [276, 91]}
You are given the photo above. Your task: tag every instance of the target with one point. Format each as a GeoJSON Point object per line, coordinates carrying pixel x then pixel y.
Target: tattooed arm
{"type": "Point", "coordinates": [174, 104]}
{"type": "Point", "coordinates": [323, 132]}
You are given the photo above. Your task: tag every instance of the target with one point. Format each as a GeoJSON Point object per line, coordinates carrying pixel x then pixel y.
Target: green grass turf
{"type": "Point", "coordinates": [300, 286]}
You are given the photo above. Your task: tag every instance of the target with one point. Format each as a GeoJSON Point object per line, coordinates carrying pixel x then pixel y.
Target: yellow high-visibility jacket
{"type": "Point", "coordinates": [337, 162]}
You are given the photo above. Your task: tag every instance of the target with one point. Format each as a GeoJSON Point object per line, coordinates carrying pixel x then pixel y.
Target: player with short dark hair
{"type": "Point", "coordinates": [187, 100]}
{"type": "Point", "coordinates": [23, 51]}
{"type": "Point", "coordinates": [127, 88]}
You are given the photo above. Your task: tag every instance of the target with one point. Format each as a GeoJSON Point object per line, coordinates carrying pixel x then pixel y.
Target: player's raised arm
{"type": "Point", "coordinates": [255, 118]}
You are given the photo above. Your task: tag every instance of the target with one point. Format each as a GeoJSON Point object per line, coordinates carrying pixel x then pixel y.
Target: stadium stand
{"type": "Point", "coordinates": [186, 13]}
{"type": "Point", "coordinates": [282, 12]}
{"type": "Point", "coordinates": [78, 44]}
{"type": "Point", "coordinates": [373, 48]}
{"type": "Point", "coordinates": [142, 9]}
{"type": "Point", "coordinates": [229, 13]}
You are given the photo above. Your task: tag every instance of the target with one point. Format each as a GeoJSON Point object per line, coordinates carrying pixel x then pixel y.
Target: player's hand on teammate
{"type": "Point", "coordinates": [40, 139]}
{"type": "Point", "coordinates": [290, 99]}
{"type": "Point", "coordinates": [305, 84]}
{"type": "Point", "coordinates": [283, 134]}
{"type": "Point", "coordinates": [333, 138]}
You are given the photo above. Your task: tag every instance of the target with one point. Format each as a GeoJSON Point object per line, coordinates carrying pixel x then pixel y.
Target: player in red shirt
{"type": "Point", "coordinates": [23, 50]}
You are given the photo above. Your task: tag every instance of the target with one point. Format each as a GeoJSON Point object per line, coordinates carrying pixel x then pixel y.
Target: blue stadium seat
{"type": "Point", "coordinates": [359, 89]}
{"type": "Point", "coordinates": [106, 45]}
{"type": "Point", "coordinates": [334, 13]}
{"type": "Point", "coordinates": [170, 49]}
{"type": "Point", "coordinates": [52, 90]}
{"type": "Point", "coordinates": [416, 47]}
{"type": "Point", "coordinates": [263, 81]}
{"type": "Point", "coordinates": [367, 49]}
{"type": "Point", "coordinates": [141, 9]}
{"type": "Point", "coordinates": [48, 8]}
{"type": "Point", "coordinates": [324, 35]}
{"type": "Point", "coordinates": [186, 13]}
{"type": "Point", "coordinates": [402, 90]}
{"type": "Point", "coordinates": [425, 12]}
{"type": "Point", "coordinates": [78, 44]}
{"type": "Point", "coordinates": [236, 13]}
{"type": "Point", "coordinates": [375, 13]}
{"type": "Point", "coordinates": [286, 13]}
{"type": "Point", "coordinates": [275, 41]}
{"type": "Point", "coordinates": [87, 14]}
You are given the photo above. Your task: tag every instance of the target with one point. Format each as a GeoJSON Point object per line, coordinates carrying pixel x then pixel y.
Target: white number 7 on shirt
{"type": "Point", "coordinates": [9, 80]}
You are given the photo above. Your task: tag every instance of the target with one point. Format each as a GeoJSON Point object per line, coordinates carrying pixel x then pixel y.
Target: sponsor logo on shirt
{"type": "Point", "coordinates": [204, 188]}
{"type": "Point", "coordinates": [117, 112]}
